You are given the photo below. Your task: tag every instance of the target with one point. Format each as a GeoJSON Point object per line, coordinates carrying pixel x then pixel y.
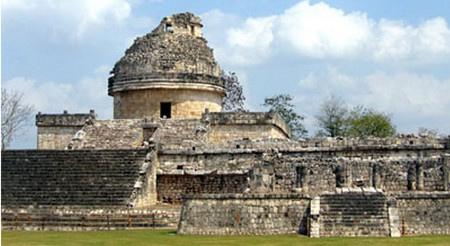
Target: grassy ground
{"type": "Point", "coordinates": [168, 237]}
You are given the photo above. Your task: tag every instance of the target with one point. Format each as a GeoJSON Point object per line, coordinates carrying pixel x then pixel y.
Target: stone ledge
{"type": "Point", "coordinates": [423, 195]}
{"type": "Point", "coordinates": [142, 81]}
{"type": "Point", "coordinates": [247, 118]}
{"type": "Point", "coordinates": [64, 119]}
{"type": "Point", "coordinates": [245, 196]}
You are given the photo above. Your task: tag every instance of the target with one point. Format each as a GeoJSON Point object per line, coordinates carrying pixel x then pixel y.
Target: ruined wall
{"type": "Point", "coordinates": [57, 137]}
{"type": "Point", "coordinates": [224, 133]}
{"type": "Point", "coordinates": [199, 162]}
{"type": "Point", "coordinates": [109, 134]}
{"type": "Point", "coordinates": [314, 173]}
{"type": "Point", "coordinates": [241, 214]}
{"type": "Point", "coordinates": [88, 218]}
{"type": "Point", "coordinates": [424, 213]}
{"type": "Point", "coordinates": [186, 103]}
{"type": "Point", "coordinates": [231, 126]}
{"type": "Point", "coordinates": [172, 187]}
{"type": "Point", "coordinates": [54, 131]}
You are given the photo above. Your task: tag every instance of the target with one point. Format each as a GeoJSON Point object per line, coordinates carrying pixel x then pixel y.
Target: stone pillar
{"type": "Point", "coordinates": [411, 177]}
{"type": "Point", "coordinates": [419, 175]}
{"type": "Point", "coordinates": [314, 224]}
{"type": "Point", "coordinates": [341, 176]}
{"type": "Point", "coordinates": [301, 179]}
{"type": "Point", "coordinates": [394, 219]}
{"type": "Point", "coordinates": [144, 191]}
{"type": "Point", "coordinates": [376, 176]}
{"type": "Point", "coordinates": [446, 169]}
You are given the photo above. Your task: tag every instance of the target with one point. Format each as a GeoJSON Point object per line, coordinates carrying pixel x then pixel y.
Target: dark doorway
{"type": "Point", "coordinates": [165, 110]}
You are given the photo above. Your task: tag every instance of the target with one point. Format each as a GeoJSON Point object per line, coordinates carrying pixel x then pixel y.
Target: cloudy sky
{"type": "Point", "coordinates": [393, 56]}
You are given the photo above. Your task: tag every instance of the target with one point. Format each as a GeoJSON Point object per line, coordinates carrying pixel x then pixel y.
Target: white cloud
{"type": "Point", "coordinates": [320, 31]}
{"type": "Point", "coordinates": [427, 43]}
{"type": "Point", "coordinates": [408, 93]}
{"type": "Point", "coordinates": [9, 5]}
{"type": "Point", "coordinates": [251, 42]}
{"type": "Point", "coordinates": [238, 41]}
{"type": "Point", "coordinates": [75, 16]}
{"type": "Point", "coordinates": [49, 97]}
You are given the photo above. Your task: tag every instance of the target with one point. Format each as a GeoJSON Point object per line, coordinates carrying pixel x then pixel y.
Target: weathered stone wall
{"type": "Point", "coordinates": [183, 23]}
{"type": "Point", "coordinates": [240, 214]}
{"type": "Point", "coordinates": [55, 137]}
{"type": "Point", "coordinates": [187, 103]}
{"type": "Point", "coordinates": [144, 190]}
{"type": "Point", "coordinates": [109, 134]}
{"type": "Point", "coordinates": [199, 162]}
{"type": "Point", "coordinates": [314, 173]}
{"type": "Point", "coordinates": [54, 131]}
{"type": "Point", "coordinates": [424, 213]}
{"type": "Point", "coordinates": [172, 187]}
{"type": "Point", "coordinates": [231, 126]}
{"type": "Point", "coordinates": [224, 133]}
{"type": "Point", "coordinates": [88, 218]}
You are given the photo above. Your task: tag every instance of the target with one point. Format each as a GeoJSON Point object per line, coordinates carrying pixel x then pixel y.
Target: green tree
{"type": "Point", "coordinates": [283, 106]}
{"type": "Point", "coordinates": [368, 122]}
{"type": "Point", "coordinates": [332, 117]}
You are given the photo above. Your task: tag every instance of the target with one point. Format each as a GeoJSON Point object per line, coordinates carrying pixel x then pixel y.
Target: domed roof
{"type": "Point", "coordinates": [173, 52]}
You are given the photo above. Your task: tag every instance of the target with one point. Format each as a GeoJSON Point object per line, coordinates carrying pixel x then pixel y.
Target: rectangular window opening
{"type": "Point", "coordinates": [166, 110]}
{"type": "Point", "coordinates": [300, 176]}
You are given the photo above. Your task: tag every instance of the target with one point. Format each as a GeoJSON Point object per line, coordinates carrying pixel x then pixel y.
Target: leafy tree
{"type": "Point", "coordinates": [283, 106]}
{"type": "Point", "coordinates": [234, 95]}
{"type": "Point", "coordinates": [368, 122]}
{"type": "Point", "coordinates": [15, 114]}
{"type": "Point", "coordinates": [332, 118]}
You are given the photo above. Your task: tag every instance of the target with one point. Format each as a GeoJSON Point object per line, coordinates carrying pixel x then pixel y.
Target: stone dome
{"type": "Point", "coordinates": [174, 52]}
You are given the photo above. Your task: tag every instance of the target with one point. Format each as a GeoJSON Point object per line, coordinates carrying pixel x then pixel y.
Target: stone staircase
{"type": "Point", "coordinates": [69, 178]}
{"type": "Point", "coordinates": [354, 213]}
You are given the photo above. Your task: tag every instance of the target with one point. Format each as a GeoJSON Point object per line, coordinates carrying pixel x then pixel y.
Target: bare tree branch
{"type": "Point", "coordinates": [14, 115]}
{"type": "Point", "coordinates": [234, 97]}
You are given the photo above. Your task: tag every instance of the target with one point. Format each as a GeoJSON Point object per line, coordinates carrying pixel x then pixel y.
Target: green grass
{"type": "Point", "coordinates": [168, 237]}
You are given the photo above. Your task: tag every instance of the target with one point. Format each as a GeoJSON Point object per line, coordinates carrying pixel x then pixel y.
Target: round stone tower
{"type": "Point", "coordinates": [168, 73]}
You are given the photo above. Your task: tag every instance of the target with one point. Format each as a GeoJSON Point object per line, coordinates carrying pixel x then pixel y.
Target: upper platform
{"type": "Point", "coordinates": [174, 53]}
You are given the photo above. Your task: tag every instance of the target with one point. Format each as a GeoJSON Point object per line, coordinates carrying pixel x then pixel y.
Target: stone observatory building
{"type": "Point", "coordinates": [168, 73]}
{"type": "Point", "coordinates": [172, 158]}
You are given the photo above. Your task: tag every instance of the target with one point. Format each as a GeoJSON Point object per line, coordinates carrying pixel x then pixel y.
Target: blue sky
{"type": "Point", "coordinates": [393, 56]}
